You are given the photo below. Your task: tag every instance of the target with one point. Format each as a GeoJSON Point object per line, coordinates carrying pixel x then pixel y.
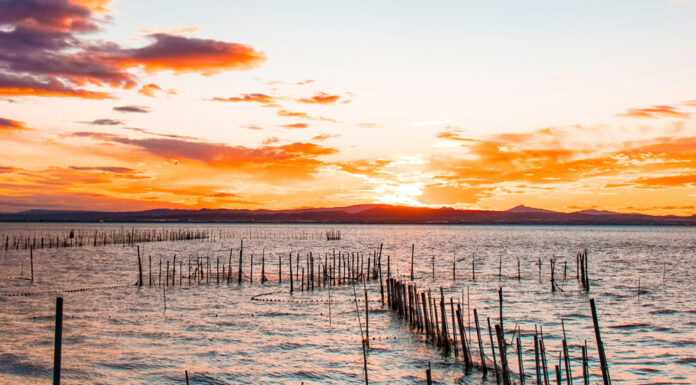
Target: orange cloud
{"type": "Point", "coordinates": [320, 98]}
{"type": "Point", "coordinates": [291, 114]}
{"type": "Point", "coordinates": [181, 54]}
{"type": "Point", "coordinates": [654, 112]}
{"type": "Point", "coordinates": [11, 85]}
{"type": "Point", "coordinates": [667, 181]}
{"type": "Point", "coordinates": [452, 133]}
{"type": "Point", "coordinates": [97, 6]}
{"type": "Point", "coordinates": [296, 125]}
{"type": "Point", "coordinates": [322, 137]}
{"type": "Point", "coordinates": [216, 154]}
{"type": "Point", "coordinates": [367, 167]}
{"type": "Point", "coordinates": [369, 125]}
{"type": "Point", "coordinates": [149, 90]}
{"type": "Point", "coordinates": [256, 98]}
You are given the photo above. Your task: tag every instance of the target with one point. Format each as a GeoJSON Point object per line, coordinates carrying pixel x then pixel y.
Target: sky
{"type": "Point", "coordinates": [563, 105]}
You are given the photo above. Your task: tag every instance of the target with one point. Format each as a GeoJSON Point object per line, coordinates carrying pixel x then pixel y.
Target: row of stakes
{"type": "Point", "coordinates": [403, 298]}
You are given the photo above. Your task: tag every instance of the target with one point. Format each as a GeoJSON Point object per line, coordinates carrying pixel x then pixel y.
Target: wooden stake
{"type": "Point", "coordinates": [600, 346]}
{"type": "Point", "coordinates": [58, 345]}
{"type": "Point", "coordinates": [241, 250]}
{"type": "Point", "coordinates": [519, 358]}
{"type": "Point", "coordinates": [495, 361]}
{"type": "Point", "coordinates": [31, 264]}
{"type": "Point", "coordinates": [503, 355]}
{"type": "Point", "coordinates": [140, 270]}
{"type": "Point", "coordinates": [484, 368]}
{"type": "Point", "coordinates": [413, 248]}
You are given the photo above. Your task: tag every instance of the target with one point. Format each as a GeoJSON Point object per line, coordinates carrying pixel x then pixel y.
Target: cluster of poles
{"type": "Point", "coordinates": [123, 236]}
{"type": "Point", "coordinates": [429, 317]}
{"type": "Point", "coordinates": [305, 272]}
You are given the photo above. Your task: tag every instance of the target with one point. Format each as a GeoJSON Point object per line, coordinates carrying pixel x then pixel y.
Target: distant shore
{"type": "Point", "coordinates": [362, 214]}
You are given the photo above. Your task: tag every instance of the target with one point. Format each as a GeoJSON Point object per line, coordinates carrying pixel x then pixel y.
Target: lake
{"type": "Point", "coordinates": [643, 280]}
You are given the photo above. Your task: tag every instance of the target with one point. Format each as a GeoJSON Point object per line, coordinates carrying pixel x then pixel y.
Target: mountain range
{"type": "Point", "coordinates": [367, 213]}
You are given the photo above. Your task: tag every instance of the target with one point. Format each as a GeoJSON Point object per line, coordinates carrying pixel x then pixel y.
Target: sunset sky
{"type": "Point", "coordinates": [562, 105]}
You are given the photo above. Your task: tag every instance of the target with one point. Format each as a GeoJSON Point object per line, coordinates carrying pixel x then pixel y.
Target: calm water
{"type": "Point", "coordinates": [220, 335]}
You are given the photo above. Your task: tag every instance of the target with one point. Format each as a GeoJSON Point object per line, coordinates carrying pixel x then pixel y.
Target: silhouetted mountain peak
{"type": "Point", "coordinates": [522, 209]}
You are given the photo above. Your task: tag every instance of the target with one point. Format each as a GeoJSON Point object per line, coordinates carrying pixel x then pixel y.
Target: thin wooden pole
{"type": "Point", "coordinates": [58, 341]}
{"type": "Point", "coordinates": [291, 278]}
{"type": "Point", "coordinates": [519, 358]}
{"type": "Point", "coordinates": [241, 250]}
{"type": "Point", "coordinates": [536, 357]}
{"type": "Point", "coordinates": [600, 346]}
{"type": "Point", "coordinates": [140, 270]}
{"type": "Point", "coordinates": [413, 248]}
{"type": "Point", "coordinates": [495, 361]}
{"type": "Point", "coordinates": [31, 264]}
{"type": "Point", "coordinates": [484, 368]}
{"type": "Point", "coordinates": [585, 368]}
{"type": "Point", "coordinates": [503, 355]}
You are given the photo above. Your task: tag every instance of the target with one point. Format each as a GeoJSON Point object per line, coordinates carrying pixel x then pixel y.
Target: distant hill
{"type": "Point", "coordinates": [367, 213]}
{"type": "Point", "coordinates": [526, 210]}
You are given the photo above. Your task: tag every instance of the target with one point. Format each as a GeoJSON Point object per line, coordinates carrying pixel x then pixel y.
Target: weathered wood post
{"type": "Point", "coordinates": [291, 278]}
{"type": "Point", "coordinates": [484, 368]}
{"type": "Point", "coordinates": [241, 250]}
{"type": "Point", "coordinates": [413, 248]}
{"type": "Point", "coordinates": [58, 345]}
{"type": "Point", "coordinates": [495, 361]}
{"type": "Point", "coordinates": [503, 355]}
{"type": "Point", "coordinates": [600, 345]}
{"type": "Point", "coordinates": [519, 357]}
{"type": "Point", "coordinates": [140, 270]}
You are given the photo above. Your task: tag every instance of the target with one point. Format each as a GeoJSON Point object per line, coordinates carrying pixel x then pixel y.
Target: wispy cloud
{"type": "Point", "coordinates": [323, 137]}
{"type": "Point", "coordinates": [254, 98]}
{"type": "Point", "coordinates": [654, 112]}
{"type": "Point", "coordinates": [137, 109]}
{"type": "Point", "coordinates": [303, 115]}
{"type": "Point", "coordinates": [104, 122]}
{"type": "Point", "coordinates": [295, 125]}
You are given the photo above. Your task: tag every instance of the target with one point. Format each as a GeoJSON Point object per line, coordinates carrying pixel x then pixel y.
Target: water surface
{"type": "Point", "coordinates": [643, 279]}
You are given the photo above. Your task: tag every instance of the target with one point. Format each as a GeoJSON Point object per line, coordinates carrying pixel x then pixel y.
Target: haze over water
{"type": "Point", "coordinates": [221, 336]}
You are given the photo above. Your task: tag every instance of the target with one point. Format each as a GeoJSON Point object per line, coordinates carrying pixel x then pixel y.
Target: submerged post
{"type": "Point", "coordinates": [58, 341]}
